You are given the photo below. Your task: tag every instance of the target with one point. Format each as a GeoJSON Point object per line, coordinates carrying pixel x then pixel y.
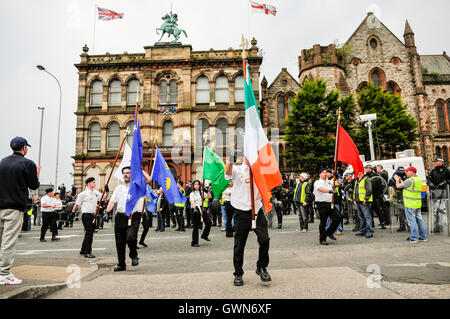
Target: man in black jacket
{"type": "Point", "coordinates": [437, 180]}
{"type": "Point", "coordinates": [17, 175]}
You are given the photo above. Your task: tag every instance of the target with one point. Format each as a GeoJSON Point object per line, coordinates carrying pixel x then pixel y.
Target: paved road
{"type": "Point", "coordinates": [300, 268]}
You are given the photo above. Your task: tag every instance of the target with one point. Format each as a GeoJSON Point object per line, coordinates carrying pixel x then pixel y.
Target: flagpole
{"type": "Point", "coordinates": [252, 190]}
{"type": "Point", "coordinates": [136, 119]}
{"type": "Point", "coordinates": [95, 23]}
{"type": "Point", "coordinates": [335, 154]}
{"type": "Point", "coordinates": [110, 173]}
{"type": "Point", "coordinates": [150, 168]}
{"type": "Point", "coordinates": [203, 183]}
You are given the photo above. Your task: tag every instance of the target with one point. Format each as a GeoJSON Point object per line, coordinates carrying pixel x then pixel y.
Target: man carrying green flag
{"type": "Point", "coordinates": [214, 170]}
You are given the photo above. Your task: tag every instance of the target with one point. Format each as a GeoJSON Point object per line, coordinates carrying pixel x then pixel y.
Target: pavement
{"type": "Point", "coordinates": [382, 267]}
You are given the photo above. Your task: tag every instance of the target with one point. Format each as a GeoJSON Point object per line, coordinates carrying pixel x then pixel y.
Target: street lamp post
{"type": "Point", "coordinates": [40, 135]}
{"type": "Point", "coordinates": [40, 67]}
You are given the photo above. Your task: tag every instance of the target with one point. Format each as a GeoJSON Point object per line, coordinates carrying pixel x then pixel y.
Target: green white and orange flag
{"type": "Point", "coordinates": [257, 148]}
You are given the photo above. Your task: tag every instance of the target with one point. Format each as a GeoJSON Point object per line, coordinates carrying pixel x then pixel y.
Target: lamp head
{"type": "Point", "coordinates": [40, 67]}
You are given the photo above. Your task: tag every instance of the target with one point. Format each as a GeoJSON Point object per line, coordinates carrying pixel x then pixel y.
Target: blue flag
{"type": "Point", "coordinates": [162, 174]}
{"type": "Point", "coordinates": [137, 185]}
{"type": "Point", "coordinates": [151, 199]}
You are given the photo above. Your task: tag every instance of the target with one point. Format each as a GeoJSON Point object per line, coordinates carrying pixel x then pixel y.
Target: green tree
{"type": "Point", "coordinates": [311, 126]}
{"type": "Point", "coordinates": [395, 130]}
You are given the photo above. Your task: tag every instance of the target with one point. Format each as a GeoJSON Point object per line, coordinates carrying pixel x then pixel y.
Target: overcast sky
{"type": "Point", "coordinates": [52, 33]}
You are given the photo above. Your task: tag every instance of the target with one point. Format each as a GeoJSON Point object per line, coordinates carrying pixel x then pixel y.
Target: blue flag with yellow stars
{"type": "Point", "coordinates": [152, 198]}
{"type": "Point", "coordinates": [162, 174]}
{"type": "Point", "coordinates": [137, 184]}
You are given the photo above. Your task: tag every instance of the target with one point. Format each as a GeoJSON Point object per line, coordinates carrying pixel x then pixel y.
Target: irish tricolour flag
{"type": "Point", "coordinates": [257, 148]}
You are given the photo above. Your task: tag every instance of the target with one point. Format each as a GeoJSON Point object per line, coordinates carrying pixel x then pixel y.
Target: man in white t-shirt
{"type": "Point", "coordinates": [48, 207]}
{"type": "Point", "coordinates": [323, 194]}
{"type": "Point", "coordinates": [125, 234]}
{"type": "Point", "coordinates": [87, 201]}
{"type": "Point", "coordinates": [241, 202]}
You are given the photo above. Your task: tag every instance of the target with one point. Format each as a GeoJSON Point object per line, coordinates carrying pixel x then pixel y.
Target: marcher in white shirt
{"type": "Point", "coordinates": [196, 203]}
{"type": "Point", "coordinates": [48, 207]}
{"type": "Point", "coordinates": [323, 194]}
{"type": "Point", "coordinates": [87, 200]}
{"type": "Point", "coordinates": [242, 204]}
{"type": "Point", "coordinates": [124, 234]}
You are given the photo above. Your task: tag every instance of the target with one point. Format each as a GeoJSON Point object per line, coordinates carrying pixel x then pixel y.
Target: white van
{"type": "Point", "coordinates": [391, 165]}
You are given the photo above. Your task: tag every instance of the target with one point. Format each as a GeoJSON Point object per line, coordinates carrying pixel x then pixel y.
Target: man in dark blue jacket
{"type": "Point", "coordinates": [17, 175]}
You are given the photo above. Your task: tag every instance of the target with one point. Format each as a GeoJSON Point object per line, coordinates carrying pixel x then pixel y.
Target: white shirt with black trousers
{"type": "Point", "coordinates": [241, 202]}
{"type": "Point", "coordinates": [323, 203]}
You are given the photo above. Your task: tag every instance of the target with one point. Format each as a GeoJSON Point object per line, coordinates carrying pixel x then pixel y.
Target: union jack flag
{"type": "Point", "coordinates": [106, 15]}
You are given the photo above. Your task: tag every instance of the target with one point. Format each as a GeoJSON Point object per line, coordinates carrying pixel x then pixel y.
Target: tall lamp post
{"type": "Point", "coordinates": [40, 67]}
{"type": "Point", "coordinates": [40, 135]}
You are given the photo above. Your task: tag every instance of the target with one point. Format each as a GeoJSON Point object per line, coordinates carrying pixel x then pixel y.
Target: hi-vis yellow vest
{"type": "Point", "coordinates": [205, 202]}
{"type": "Point", "coordinates": [362, 190]}
{"type": "Point", "coordinates": [412, 196]}
{"type": "Point", "coordinates": [181, 204]}
{"type": "Point", "coordinates": [295, 191]}
{"type": "Point", "coordinates": [222, 200]}
{"type": "Point", "coordinates": [303, 193]}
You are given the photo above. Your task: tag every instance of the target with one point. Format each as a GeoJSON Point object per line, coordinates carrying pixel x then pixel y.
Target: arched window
{"type": "Point", "coordinates": [447, 108]}
{"type": "Point", "coordinates": [221, 136]}
{"type": "Point", "coordinates": [163, 92]}
{"type": "Point", "coordinates": [202, 133]}
{"type": "Point", "coordinates": [239, 133]}
{"type": "Point", "coordinates": [221, 89]}
{"type": "Point", "coordinates": [130, 128]}
{"type": "Point", "coordinates": [361, 86]}
{"type": "Point", "coordinates": [239, 89]}
{"type": "Point", "coordinates": [377, 77]}
{"type": "Point", "coordinates": [115, 93]}
{"type": "Point", "coordinates": [132, 91]}
{"type": "Point", "coordinates": [94, 137]}
{"type": "Point", "coordinates": [202, 90]}
{"type": "Point", "coordinates": [440, 115]}
{"type": "Point", "coordinates": [445, 154]}
{"type": "Point", "coordinates": [288, 102]}
{"type": "Point", "coordinates": [280, 157]}
{"type": "Point", "coordinates": [113, 136]}
{"type": "Point", "coordinates": [393, 88]}
{"type": "Point", "coordinates": [96, 94]}
{"type": "Point", "coordinates": [281, 113]}
{"type": "Point", "coordinates": [168, 133]}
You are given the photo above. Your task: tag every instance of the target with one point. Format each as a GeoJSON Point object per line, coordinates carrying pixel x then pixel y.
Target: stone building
{"type": "Point", "coordinates": [374, 54]}
{"type": "Point", "coordinates": [186, 98]}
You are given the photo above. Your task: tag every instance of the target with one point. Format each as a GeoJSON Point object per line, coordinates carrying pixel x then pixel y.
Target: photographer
{"type": "Point", "coordinates": [399, 195]}
{"type": "Point", "coordinates": [437, 180]}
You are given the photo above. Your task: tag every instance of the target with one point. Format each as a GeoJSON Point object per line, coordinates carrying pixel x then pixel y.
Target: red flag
{"type": "Point", "coordinates": [347, 151]}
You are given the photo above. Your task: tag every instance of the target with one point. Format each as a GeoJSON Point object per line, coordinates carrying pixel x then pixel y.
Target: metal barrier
{"type": "Point", "coordinates": [438, 211]}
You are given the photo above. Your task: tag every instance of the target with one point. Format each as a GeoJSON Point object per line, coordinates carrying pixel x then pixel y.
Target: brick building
{"type": "Point", "coordinates": [185, 97]}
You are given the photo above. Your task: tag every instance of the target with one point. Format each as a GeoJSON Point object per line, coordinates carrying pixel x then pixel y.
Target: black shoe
{"type": "Point", "coordinates": [173, 226]}
{"type": "Point", "coordinates": [195, 245]}
{"type": "Point", "coordinates": [238, 281]}
{"type": "Point", "coordinates": [332, 237]}
{"type": "Point", "coordinates": [43, 240]}
{"type": "Point", "coordinates": [346, 222]}
{"type": "Point", "coordinates": [214, 225]}
{"type": "Point", "coordinates": [137, 247]}
{"type": "Point", "coordinates": [383, 227]}
{"type": "Point", "coordinates": [55, 238]}
{"type": "Point", "coordinates": [323, 243]}
{"type": "Point", "coordinates": [262, 272]}
{"type": "Point", "coordinates": [89, 255]}
{"type": "Point", "coordinates": [143, 244]}
{"type": "Point", "coordinates": [355, 229]}
{"type": "Point", "coordinates": [118, 268]}
{"type": "Point", "coordinates": [134, 262]}
{"type": "Point", "coordinates": [279, 226]}
{"type": "Point", "coordinates": [401, 229]}
{"type": "Point", "coordinates": [206, 238]}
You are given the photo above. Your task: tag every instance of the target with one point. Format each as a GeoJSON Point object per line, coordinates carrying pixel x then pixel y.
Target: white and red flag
{"type": "Point", "coordinates": [106, 14]}
{"type": "Point", "coordinates": [257, 148]}
{"type": "Point", "coordinates": [263, 7]}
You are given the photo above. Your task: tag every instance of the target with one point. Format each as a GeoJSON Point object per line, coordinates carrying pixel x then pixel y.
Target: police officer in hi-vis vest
{"type": "Point", "coordinates": [362, 195]}
{"type": "Point", "coordinates": [303, 199]}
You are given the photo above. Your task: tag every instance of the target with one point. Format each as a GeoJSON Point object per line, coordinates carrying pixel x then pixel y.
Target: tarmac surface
{"type": "Point", "coordinates": [382, 267]}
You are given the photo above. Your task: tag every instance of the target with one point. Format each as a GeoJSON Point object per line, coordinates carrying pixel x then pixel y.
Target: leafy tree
{"type": "Point", "coordinates": [396, 129]}
{"type": "Point", "coordinates": [311, 126]}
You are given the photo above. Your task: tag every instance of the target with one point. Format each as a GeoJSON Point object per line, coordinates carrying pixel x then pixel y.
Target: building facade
{"type": "Point", "coordinates": [187, 99]}
{"type": "Point", "coordinates": [374, 54]}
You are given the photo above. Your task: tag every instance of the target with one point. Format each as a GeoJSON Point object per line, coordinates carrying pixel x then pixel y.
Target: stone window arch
{"type": "Point", "coordinates": [445, 154]}
{"type": "Point", "coordinates": [438, 151]}
{"type": "Point", "coordinates": [132, 91]}
{"type": "Point", "coordinates": [113, 136]}
{"type": "Point", "coordinates": [115, 93]}
{"type": "Point", "coordinates": [94, 137]}
{"type": "Point", "coordinates": [239, 89]}
{"type": "Point", "coordinates": [280, 109]}
{"type": "Point", "coordinates": [168, 133]}
{"type": "Point", "coordinates": [202, 95]}
{"type": "Point", "coordinates": [441, 115]}
{"type": "Point", "coordinates": [221, 92]}
{"type": "Point", "coordinates": [168, 92]}
{"type": "Point", "coordinates": [361, 86]}
{"type": "Point", "coordinates": [393, 88]}
{"type": "Point", "coordinates": [96, 94]}
{"type": "Point", "coordinates": [374, 42]}
{"type": "Point", "coordinates": [377, 77]}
